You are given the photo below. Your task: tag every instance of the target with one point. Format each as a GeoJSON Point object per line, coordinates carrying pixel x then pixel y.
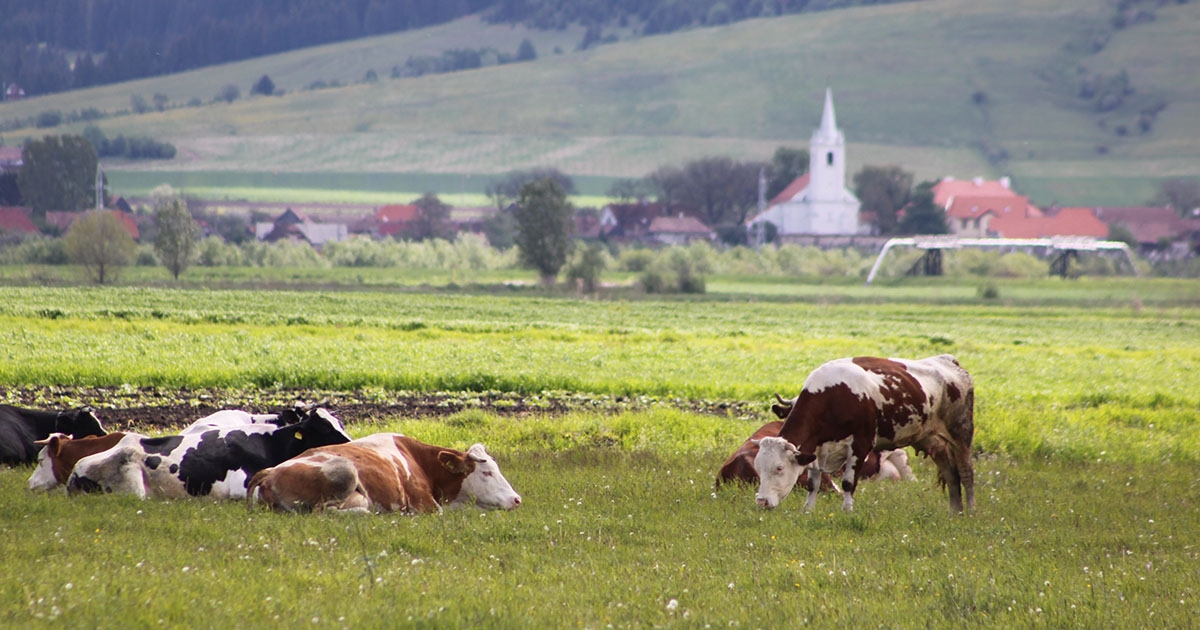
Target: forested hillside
{"type": "Point", "coordinates": [49, 46]}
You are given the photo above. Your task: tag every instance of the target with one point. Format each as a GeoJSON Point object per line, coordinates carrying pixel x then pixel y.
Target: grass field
{"type": "Point", "coordinates": [905, 78]}
{"type": "Point", "coordinates": [1087, 436]}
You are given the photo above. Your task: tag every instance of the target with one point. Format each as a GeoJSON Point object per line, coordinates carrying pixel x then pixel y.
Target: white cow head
{"type": "Point", "coordinates": [778, 464]}
{"type": "Point", "coordinates": [486, 486]}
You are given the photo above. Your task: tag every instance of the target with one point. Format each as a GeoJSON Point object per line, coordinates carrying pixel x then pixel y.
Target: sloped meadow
{"type": "Point", "coordinates": [1086, 438]}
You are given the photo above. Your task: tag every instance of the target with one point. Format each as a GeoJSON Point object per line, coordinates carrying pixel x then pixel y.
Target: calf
{"type": "Point", "coordinates": [20, 428]}
{"type": "Point", "coordinates": [849, 407]}
{"type": "Point", "coordinates": [740, 466]}
{"type": "Point", "coordinates": [385, 472]}
{"type": "Point", "coordinates": [59, 454]}
{"type": "Point", "coordinates": [216, 463]}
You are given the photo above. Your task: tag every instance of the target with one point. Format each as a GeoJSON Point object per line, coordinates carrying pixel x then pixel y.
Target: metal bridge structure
{"type": "Point", "coordinates": [1061, 250]}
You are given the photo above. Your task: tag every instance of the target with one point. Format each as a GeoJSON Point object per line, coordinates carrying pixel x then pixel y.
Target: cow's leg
{"type": "Point", "coordinates": [948, 475]}
{"type": "Point", "coordinates": [814, 486]}
{"type": "Point", "coordinates": [852, 472]}
{"type": "Point", "coordinates": [966, 474]}
{"type": "Point", "coordinates": [948, 469]}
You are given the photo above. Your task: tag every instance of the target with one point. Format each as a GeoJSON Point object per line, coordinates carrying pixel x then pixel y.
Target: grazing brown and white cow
{"type": "Point", "coordinates": [739, 468]}
{"type": "Point", "coordinates": [384, 472]}
{"type": "Point", "coordinates": [849, 407]}
{"type": "Point", "coordinates": [59, 454]}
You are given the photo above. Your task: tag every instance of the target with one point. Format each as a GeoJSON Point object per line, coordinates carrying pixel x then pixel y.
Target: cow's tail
{"type": "Point", "coordinates": [257, 492]}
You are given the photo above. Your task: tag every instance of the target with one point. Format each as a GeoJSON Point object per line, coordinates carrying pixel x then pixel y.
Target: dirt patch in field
{"type": "Point", "coordinates": [144, 409]}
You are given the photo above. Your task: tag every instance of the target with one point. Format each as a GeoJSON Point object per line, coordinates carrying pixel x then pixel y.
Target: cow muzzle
{"type": "Point", "coordinates": [765, 503]}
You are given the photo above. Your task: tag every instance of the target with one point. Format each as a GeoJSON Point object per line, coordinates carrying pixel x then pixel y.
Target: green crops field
{"type": "Point", "coordinates": [1087, 440]}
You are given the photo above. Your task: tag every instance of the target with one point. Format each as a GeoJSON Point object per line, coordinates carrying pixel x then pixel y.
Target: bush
{"type": "Point", "coordinates": [214, 252]}
{"type": "Point", "coordinates": [635, 260]}
{"type": "Point", "coordinates": [36, 250]}
{"type": "Point", "coordinates": [145, 256]}
{"type": "Point", "coordinates": [51, 118]}
{"type": "Point", "coordinates": [587, 265]}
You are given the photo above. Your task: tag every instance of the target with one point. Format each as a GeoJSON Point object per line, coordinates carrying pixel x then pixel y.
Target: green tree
{"type": "Point", "coordinates": [718, 189]}
{"type": "Point", "coordinates": [229, 93]}
{"type": "Point", "coordinates": [59, 173]}
{"type": "Point", "coordinates": [98, 241]}
{"type": "Point", "coordinates": [264, 86]}
{"type": "Point", "coordinates": [433, 220]}
{"type": "Point", "coordinates": [500, 230]}
{"type": "Point", "coordinates": [544, 224]}
{"type": "Point", "coordinates": [508, 189]}
{"type": "Point", "coordinates": [178, 235]}
{"type": "Point", "coordinates": [526, 51]}
{"type": "Point", "coordinates": [1180, 193]}
{"type": "Point", "coordinates": [922, 216]}
{"type": "Point", "coordinates": [786, 165]}
{"type": "Point", "coordinates": [884, 191]}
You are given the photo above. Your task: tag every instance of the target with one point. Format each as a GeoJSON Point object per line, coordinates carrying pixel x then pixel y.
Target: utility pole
{"type": "Point", "coordinates": [99, 188]}
{"type": "Point", "coordinates": [762, 205]}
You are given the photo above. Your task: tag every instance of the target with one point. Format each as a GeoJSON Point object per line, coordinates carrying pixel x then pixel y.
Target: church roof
{"type": "Point", "coordinates": [795, 188]}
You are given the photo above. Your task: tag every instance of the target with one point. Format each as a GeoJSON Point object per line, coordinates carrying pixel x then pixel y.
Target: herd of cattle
{"type": "Point", "coordinates": [853, 418]}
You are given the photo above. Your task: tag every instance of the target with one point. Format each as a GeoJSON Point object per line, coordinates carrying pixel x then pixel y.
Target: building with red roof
{"type": "Point", "coordinates": [1063, 222]}
{"type": "Point", "coordinates": [63, 220]}
{"type": "Point", "coordinates": [979, 208]}
{"type": "Point", "coordinates": [15, 220]}
{"type": "Point", "coordinates": [394, 220]}
{"type": "Point", "coordinates": [679, 230]}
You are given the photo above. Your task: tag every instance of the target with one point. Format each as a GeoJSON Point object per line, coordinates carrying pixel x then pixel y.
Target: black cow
{"type": "Point", "coordinates": [20, 428]}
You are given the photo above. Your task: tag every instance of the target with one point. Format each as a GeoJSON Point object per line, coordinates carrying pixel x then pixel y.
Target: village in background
{"type": "Point", "coordinates": [815, 209]}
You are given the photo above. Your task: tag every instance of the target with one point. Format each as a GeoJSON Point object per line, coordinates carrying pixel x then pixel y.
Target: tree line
{"type": "Point", "coordinates": [51, 46]}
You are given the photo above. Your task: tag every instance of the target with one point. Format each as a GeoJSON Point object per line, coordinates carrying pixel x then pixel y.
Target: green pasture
{"type": "Point", "coordinates": [628, 538]}
{"type": "Point", "coordinates": [1078, 381]}
{"type": "Point", "coordinates": [939, 87]}
{"type": "Point", "coordinates": [1086, 441]}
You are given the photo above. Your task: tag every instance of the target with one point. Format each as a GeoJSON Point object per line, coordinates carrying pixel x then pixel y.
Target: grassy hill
{"type": "Point", "coordinates": [940, 87]}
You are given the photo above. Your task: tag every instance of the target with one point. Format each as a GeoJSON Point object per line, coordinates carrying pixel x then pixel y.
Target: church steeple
{"type": "Point", "coordinates": [828, 157]}
{"type": "Point", "coordinates": [828, 131]}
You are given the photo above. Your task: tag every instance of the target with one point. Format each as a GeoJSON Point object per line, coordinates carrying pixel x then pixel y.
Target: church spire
{"type": "Point", "coordinates": [828, 130]}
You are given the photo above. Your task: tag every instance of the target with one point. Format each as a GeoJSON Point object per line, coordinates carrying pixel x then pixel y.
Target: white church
{"type": "Point", "coordinates": [818, 202]}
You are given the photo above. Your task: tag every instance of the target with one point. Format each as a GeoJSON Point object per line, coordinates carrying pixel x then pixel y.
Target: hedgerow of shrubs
{"type": "Point", "coordinates": [680, 268]}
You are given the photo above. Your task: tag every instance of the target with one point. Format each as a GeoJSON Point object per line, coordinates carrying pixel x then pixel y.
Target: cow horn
{"type": "Point", "coordinates": [780, 399]}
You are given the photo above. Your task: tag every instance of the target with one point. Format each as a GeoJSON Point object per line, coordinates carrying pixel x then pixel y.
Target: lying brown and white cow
{"type": "Point", "coordinates": [384, 472]}
{"type": "Point", "coordinates": [59, 454]}
{"type": "Point", "coordinates": [849, 407]}
{"type": "Point", "coordinates": [739, 468]}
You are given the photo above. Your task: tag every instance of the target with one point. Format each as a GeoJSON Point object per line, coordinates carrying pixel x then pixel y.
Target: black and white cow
{"type": "Point", "coordinates": [215, 463]}
{"type": "Point", "coordinates": [20, 428]}
{"type": "Point", "coordinates": [237, 417]}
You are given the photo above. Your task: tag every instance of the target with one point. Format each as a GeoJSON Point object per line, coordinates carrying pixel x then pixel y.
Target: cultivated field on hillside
{"type": "Point", "coordinates": [1087, 436]}
{"type": "Point", "coordinates": [935, 86]}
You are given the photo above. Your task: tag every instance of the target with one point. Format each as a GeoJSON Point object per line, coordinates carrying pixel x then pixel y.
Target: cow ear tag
{"type": "Point", "coordinates": [299, 435]}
